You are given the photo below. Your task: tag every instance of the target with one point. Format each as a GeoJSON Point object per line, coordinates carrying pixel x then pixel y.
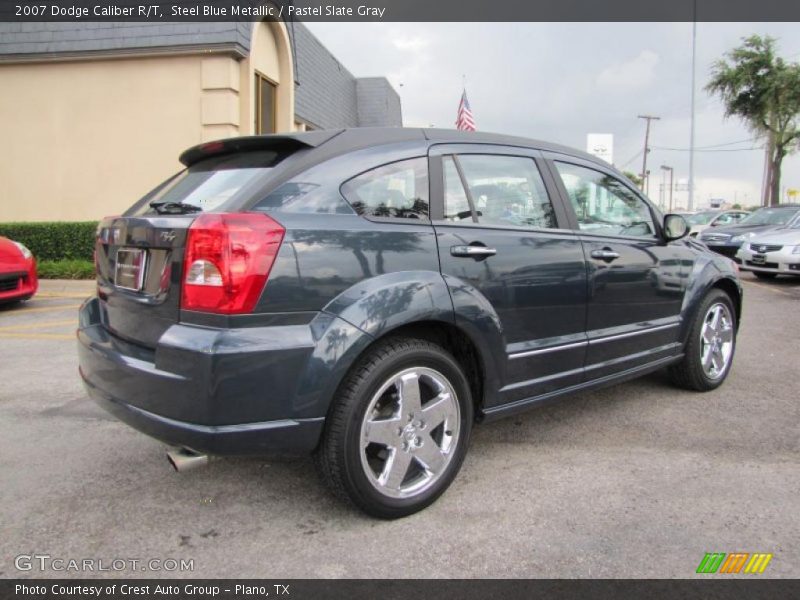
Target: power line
{"type": "Point", "coordinates": [633, 158]}
{"type": "Point", "coordinates": [707, 149]}
{"type": "Point", "coordinates": [748, 140]}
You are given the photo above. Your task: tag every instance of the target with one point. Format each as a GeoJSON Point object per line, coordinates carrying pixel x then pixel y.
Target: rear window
{"type": "Point", "coordinates": [770, 216]}
{"type": "Point", "coordinates": [703, 218]}
{"type": "Point", "coordinates": [211, 185]}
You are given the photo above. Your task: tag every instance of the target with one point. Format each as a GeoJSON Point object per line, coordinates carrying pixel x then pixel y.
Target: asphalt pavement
{"type": "Point", "coordinates": [638, 480]}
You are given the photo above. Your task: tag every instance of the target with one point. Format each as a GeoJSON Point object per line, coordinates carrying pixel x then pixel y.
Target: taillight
{"type": "Point", "coordinates": [227, 261]}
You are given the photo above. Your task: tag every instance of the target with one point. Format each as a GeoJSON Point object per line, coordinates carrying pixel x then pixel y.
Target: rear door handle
{"type": "Point", "coordinates": [472, 251]}
{"type": "Point", "coordinates": [606, 254]}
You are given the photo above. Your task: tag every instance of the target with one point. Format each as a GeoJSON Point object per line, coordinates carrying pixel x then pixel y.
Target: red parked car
{"type": "Point", "coordinates": [17, 272]}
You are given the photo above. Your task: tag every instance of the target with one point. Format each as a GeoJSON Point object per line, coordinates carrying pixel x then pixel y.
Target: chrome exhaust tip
{"type": "Point", "coordinates": [184, 459]}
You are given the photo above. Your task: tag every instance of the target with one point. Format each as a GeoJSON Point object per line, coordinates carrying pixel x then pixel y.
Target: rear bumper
{"type": "Point", "coordinates": [215, 391]}
{"type": "Point", "coordinates": [284, 436]}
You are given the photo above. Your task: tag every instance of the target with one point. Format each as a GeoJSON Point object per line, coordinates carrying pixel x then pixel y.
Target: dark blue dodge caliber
{"type": "Point", "coordinates": [368, 295]}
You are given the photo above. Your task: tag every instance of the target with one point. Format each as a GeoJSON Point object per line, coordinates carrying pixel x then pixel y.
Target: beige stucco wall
{"type": "Point", "coordinates": [84, 139]}
{"type": "Point", "coordinates": [271, 56]}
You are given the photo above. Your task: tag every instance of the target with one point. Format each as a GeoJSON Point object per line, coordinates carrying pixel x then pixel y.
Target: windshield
{"type": "Point", "coordinates": [769, 216]}
{"type": "Point", "coordinates": [701, 218]}
{"type": "Point", "coordinates": [211, 184]}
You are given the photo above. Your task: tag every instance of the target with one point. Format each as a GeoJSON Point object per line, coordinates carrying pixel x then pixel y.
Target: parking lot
{"type": "Point", "coordinates": [639, 480]}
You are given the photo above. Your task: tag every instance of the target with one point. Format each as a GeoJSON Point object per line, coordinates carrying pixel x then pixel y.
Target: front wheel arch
{"type": "Point", "coordinates": [735, 294]}
{"type": "Point", "coordinates": [691, 371]}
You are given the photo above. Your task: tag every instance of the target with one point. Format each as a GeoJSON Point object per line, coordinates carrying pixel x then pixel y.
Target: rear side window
{"type": "Point", "coordinates": [397, 190]}
{"type": "Point", "coordinates": [504, 190]}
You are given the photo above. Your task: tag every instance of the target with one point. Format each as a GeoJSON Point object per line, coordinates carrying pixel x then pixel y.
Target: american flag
{"type": "Point", "coordinates": [464, 121]}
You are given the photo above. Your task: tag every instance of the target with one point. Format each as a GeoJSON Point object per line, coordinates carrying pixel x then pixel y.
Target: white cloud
{"type": "Point", "coordinates": [414, 44]}
{"type": "Point", "coordinates": [559, 81]}
{"type": "Point", "coordinates": [638, 72]}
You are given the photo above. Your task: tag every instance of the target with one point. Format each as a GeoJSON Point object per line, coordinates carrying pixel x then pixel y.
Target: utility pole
{"type": "Point", "coordinates": [648, 118]}
{"type": "Point", "coordinates": [671, 171]}
{"type": "Point", "coordinates": [691, 134]}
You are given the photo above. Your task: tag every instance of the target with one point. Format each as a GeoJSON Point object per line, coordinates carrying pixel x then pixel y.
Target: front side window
{"type": "Point", "coordinates": [505, 191]}
{"type": "Point", "coordinates": [604, 205]}
{"type": "Point", "coordinates": [397, 190]}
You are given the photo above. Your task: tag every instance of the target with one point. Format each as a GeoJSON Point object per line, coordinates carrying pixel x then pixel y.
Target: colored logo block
{"type": "Point", "coordinates": [720, 562]}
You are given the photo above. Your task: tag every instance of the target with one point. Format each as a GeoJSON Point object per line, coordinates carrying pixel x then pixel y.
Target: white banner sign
{"type": "Point", "coordinates": [601, 145]}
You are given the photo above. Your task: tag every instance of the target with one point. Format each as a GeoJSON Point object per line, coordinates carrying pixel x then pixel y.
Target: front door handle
{"type": "Point", "coordinates": [606, 254]}
{"type": "Point", "coordinates": [472, 251]}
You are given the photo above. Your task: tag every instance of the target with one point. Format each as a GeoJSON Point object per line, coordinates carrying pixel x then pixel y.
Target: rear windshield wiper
{"type": "Point", "coordinates": [174, 208]}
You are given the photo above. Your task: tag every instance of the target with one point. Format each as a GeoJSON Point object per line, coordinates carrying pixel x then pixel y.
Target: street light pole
{"type": "Point", "coordinates": [671, 171]}
{"type": "Point", "coordinates": [648, 118]}
{"type": "Point", "coordinates": [691, 134]}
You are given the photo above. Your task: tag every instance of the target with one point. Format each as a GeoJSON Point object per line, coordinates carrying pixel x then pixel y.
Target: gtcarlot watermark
{"type": "Point", "coordinates": [46, 562]}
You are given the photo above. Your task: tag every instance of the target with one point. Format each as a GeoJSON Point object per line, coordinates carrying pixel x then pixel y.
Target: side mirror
{"type": "Point", "coordinates": [675, 227]}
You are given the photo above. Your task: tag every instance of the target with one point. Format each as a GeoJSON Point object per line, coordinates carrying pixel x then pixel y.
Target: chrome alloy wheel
{"type": "Point", "coordinates": [410, 432]}
{"type": "Point", "coordinates": [716, 341]}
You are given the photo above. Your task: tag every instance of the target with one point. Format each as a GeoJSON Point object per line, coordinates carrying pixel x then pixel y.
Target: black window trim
{"type": "Point", "coordinates": [465, 185]}
{"type": "Point", "coordinates": [436, 154]}
{"type": "Point", "coordinates": [551, 158]}
{"type": "Point", "coordinates": [425, 221]}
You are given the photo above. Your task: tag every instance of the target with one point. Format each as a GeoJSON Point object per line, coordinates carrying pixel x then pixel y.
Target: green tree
{"type": "Point", "coordinates": [636, 179]}
{"type": "Point", "coordinates": [764, 91]}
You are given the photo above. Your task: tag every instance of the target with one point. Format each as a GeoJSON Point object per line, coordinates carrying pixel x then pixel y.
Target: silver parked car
{"type": "Point", "coordinates": [706, 219]}
{"type": "Point", "coordinates": [772, 253]}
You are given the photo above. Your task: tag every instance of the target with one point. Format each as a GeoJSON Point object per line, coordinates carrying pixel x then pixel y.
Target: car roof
{"type": "Point", "coordinates": [333, 142]}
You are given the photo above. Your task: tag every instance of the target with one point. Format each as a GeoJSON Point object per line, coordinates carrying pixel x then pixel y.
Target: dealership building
{"type": "Point", "coordinates": [95, 114]}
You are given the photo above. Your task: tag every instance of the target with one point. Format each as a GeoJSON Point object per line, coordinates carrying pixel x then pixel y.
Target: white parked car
{"type": "Point", "coordinates": [776, 252]}
{"type": "Point", "coordinates": [700, 221]}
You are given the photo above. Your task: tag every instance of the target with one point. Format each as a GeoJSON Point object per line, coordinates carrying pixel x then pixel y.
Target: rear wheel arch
{"type": "Point", "coordinates": [449, 337]}
{"type": "Point", "coordinates": [361, 471]}
{"type": "Point", "coordinates": [457, 343]}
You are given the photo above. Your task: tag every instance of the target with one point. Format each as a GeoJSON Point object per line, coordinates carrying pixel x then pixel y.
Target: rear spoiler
{"type": "Point", "coordinates": [282, 142]}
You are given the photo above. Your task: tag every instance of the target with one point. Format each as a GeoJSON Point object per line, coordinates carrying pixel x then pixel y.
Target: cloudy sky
{"type": "Point", "coordinates": [560, 81]}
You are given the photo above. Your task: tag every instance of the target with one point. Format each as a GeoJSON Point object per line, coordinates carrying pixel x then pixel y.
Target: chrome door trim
{"type": "Point", "coordinates": [600, 340]}
{"type": "Point", "coordinates": [611, 338]}
{"type": "Point", "coordinates": [546, 350]}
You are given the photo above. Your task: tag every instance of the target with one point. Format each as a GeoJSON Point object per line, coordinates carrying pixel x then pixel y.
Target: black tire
{"type": "Point", "coordinates": [764, 275]}
{"type": "Point", "coordinates": [339, 457]}
{"type": "Point", "coordinates": [689, 373]}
